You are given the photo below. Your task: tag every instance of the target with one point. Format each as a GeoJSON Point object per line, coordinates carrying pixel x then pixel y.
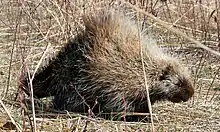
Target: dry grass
{"type": "Point", "coordinates": [27, 27]}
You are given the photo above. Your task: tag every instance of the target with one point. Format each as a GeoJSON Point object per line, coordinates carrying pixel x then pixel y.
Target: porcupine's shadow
{"type": "Point", "coordinates": [45, 108]}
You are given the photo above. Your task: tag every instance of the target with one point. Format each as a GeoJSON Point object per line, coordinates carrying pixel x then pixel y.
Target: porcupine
{"type": "Point", "coordinates": [101, 69]}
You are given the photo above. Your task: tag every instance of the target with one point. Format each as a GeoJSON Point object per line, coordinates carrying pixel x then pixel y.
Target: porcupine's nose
{"type": "Point", "coordinates": [185, 97]}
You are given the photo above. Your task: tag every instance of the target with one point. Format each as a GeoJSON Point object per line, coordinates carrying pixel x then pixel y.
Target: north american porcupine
{"type": "Point", "coordinates": [101, 67]}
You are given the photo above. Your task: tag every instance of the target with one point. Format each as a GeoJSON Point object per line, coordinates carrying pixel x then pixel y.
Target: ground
{"type": "Point", "coordinates": [27, 27]}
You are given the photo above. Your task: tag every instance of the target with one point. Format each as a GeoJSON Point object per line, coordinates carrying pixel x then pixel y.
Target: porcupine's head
{"type": "Point", "coordinates": [171, 81]}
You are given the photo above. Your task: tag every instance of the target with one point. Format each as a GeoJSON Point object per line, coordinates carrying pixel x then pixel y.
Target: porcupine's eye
{"type": "Point", "coordinates": [167, 83]}
{"type": "Point", "coordinates": [161, 77]}
{"type": "Point", "coordinates": [165, 73]}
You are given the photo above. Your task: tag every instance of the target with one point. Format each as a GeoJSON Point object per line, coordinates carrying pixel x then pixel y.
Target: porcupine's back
{"type": "Point", "coordinates": [103, 64]}
{"type": "Point", "coordinates": [63, 69]}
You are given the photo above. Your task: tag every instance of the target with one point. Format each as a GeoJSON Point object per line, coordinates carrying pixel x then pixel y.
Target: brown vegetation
{"type": "Point", "coordinates": [28, 26]}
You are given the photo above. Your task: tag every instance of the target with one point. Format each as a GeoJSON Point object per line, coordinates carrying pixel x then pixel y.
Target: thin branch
{"type": "Point", "coordinates": [170, 28]}
{"type": "Point", "coordinates": [145, 78]}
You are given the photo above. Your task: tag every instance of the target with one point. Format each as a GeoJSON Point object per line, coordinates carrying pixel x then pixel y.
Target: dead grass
{"type": "Point", "coordinates": [27, 27]}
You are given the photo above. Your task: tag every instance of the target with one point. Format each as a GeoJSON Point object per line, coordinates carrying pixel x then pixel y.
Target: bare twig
{"type": "Point", "coordinates": [18, 20]}
{"type": "Point", "coordinates": [31, 86]}
{"type": "Point", "coordinates": [145, 78]}
{"type": "Point", "coordinates": [168, 27]}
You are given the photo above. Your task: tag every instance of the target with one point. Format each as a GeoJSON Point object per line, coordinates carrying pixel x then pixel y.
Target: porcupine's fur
{"type": "Point", "coordinates": [101, 68]}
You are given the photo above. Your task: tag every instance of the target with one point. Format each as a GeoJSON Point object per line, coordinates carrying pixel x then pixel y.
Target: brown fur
{"type": "Point", "coordinates": [103, 64]}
